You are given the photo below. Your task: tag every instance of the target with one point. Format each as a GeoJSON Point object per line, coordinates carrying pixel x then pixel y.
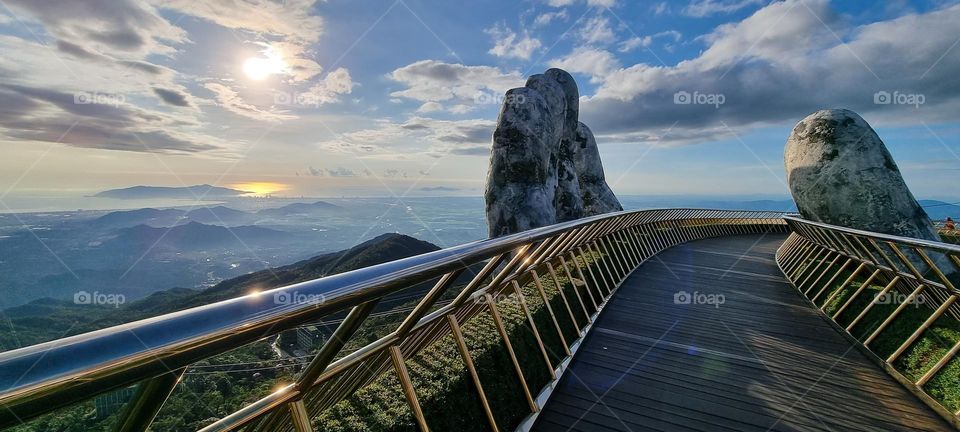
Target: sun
{"type": "Point", "coordinates": [260, 188]}
{"type": "Point", "coordinates": [261, 67]}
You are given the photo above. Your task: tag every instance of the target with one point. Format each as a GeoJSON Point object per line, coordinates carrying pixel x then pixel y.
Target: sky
{"type": "Point", "coordinates": [397, 98]}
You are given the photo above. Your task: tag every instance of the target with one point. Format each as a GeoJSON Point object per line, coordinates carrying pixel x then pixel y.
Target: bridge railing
{"type": "Point", "coordinates": [594, 254]}
{"type": "Point", "coordinates": [895, 297]}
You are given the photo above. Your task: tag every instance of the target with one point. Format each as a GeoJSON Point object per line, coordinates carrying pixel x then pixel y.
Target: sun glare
{"type": "Point", "coordinates": [260, 188]}
{"type": "Point", "coordinates": [259, 68]}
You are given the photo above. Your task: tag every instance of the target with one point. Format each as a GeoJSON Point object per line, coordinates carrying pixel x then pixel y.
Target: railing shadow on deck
{"type": "Point", "coordinates": [595, 254]}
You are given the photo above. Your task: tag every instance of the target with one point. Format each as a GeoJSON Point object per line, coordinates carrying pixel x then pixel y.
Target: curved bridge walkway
{"type": "Point", "coordinates": [739, 350]}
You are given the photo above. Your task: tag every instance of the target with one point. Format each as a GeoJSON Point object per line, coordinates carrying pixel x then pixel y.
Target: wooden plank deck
{"type": "Point", "coordinates": [760, 361]}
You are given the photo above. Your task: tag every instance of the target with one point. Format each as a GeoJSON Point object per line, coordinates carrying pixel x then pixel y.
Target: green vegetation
{"type": "Point", "coordinates": [920, 357]}
{"type": "Point", "coordinates": [950, 236]}
{"type": "Point", "coordinates": [444, 389]}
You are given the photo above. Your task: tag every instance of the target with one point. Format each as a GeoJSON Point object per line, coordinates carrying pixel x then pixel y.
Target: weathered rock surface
{"type": "Point", "coordinates": [520, 193]}
{"type": "Point", "coordinates": [841, 173]}
{"type": "Point", "coordinates": [598, 198]}
{"type": "Point", "coordinates": [555, 98]}
{"type": "Point", "coordinates": [537, 173]}
{"type": "Point", "coordinates": [569, 201]}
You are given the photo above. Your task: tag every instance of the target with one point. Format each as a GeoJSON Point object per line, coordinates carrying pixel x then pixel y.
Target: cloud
{"type": "Point", "coordinates": [460, 109]}
{"type": "Point", "coordinates": [228, 99]}
{"type": "Point", "coordinates": [331, 88]}
{"type": "Point", "coordinates": [645, 41]}
{"type": "Point", "coordinates": [93, 121]}
{"type": "Point", "coordinates": [596, 63]}
{"type": "Point", "coordinates": [118, 26]}
{"type": "Point", "coordinates": [289, 18]}
{"type": "Point", "coordinates": [77, 95]}
{"type": "Point", "coordinates": [703, 8]}
{"type": "Point", "coordinates": [288, 26]}
{"type": "Point", "coordinates": [795, 65]}
{"type": "Point", "coordinates": [341, 172]}
{"type": "Point", "coordinates": [546, 18]}
{"type": "Point", "coordinates": [509, 44]}
{"type": "Point", "coordinates": [436, 81]}
{"type": "Point", "coordinates": [172, 97]}
{"type": "Point", "coordinates": [421, 135]}
{"type": "Point", "coordinates": [430, 107]}
{"type": "Point", "coordinates": [597, 30]}
{"type": "Point", "coordinates": [593, 3]}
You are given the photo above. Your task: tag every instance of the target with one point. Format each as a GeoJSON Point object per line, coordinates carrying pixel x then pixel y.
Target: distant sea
{"type": "Point", "coordinates": [72, 202]}
{"type": "Point", "coordinates": [53, 202]}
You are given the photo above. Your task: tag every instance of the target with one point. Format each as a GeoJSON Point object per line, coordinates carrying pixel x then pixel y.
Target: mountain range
{"type": "Point", "coordinates": [47, 318]}
{"type": "Point", "coordinates": [220, 215]}
{"type": "Point", "coordinates": [193, 236]}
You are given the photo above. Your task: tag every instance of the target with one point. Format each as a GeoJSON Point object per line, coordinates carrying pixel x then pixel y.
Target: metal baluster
{"type": "Point", "coordinates": [498, 322]}
{"type": "Point", "coordinates": [400, 366]}
{"type": "Point", "coordinates": [146, 402]}
{"type": "Point", "coordinates": [471, 369]}
{"type": "Point", "coordinates": [553, 317]}
{"type": "Point", "coordinates": [533, 328]}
